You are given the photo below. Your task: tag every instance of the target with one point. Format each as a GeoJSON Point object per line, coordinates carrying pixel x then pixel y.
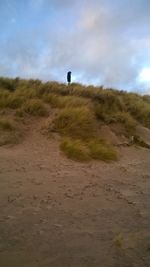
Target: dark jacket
{"type": "Point", "coordinates": [69, 77]}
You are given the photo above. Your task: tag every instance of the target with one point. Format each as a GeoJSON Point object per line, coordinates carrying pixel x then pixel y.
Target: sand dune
{"type": "Point", "coordinates": [58, 212]}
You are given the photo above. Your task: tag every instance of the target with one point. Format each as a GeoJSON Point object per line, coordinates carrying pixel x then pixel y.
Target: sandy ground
{"type": "Point", "coordinates": [57, 212]}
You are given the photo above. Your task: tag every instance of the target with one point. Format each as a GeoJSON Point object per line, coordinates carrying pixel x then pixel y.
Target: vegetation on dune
{"type": "Point", "coordinates": [57, 101]}
{"type": "Point", "coordinates": [53, 99]}
{"type": "Point", "coordinates": [105, 101]}
{"type": "Point", "coordinates": [125, 119]}
{"type": "Point", "coordinates": [3, 98]}
{"type": "Point", "coordinates": [13, 101]}
{"type": "Point", "coordinates": [77, 122]}
{"type": "Point", "coordinates": [75, 149]}
{"type": "Point", "coordinates": [92, 149]}
{"type": "Point", "coordinates": [73, 101]}
{"type": "Point", "coordinates": [7, 84]}
{"type": "Point", "coordinates": [138, 107]}
{"type": "Point", "coordinates": [99, 149]}
{"type": "Point", "coordinates": [26, 93]}
{"type": "Point", "coordinates": [80, 112]}
{"type": "Point", "coordinates": [9, 133]}
{"type": "Point", "coordinates": [10, 100]}
{"type": "Point", "coordinates": [35, 107]}
{"type": "Point", "coordinates": [53, 87]}
{"type": "Point", "coordinates": [6, 125]}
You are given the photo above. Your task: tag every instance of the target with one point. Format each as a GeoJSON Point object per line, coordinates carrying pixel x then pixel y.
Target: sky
{"type": "Point", "coordinates": [103, 42]}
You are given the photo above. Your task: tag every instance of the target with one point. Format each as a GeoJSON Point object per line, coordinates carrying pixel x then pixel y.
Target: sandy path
{"type": "Point", "coordinates": [56, 212]}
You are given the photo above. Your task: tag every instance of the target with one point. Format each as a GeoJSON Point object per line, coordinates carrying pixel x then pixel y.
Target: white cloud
{"type": "Point", "coordinates": [100, 41]}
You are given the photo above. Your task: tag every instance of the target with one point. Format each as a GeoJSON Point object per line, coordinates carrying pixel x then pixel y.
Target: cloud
{"type": "Point", "coordinates": [105, 42]}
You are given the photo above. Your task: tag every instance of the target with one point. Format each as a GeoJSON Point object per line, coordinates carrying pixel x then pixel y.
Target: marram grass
{"type": "Point", "coordinates": [84, 151]}
{"type": "Point", "coordinates": [77, 123]}
{"type": "Point", "coordinates": [75, 149]}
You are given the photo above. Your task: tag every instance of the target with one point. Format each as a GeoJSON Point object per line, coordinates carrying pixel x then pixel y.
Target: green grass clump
{"type": "Point", "coordinates": [75, 149]}
{"type": "Point", "coordinates": [35, 107]}
{"type": "Point", "coordinates": [76, 122]}
{"type": "Point", "coordinates": [100, 150]}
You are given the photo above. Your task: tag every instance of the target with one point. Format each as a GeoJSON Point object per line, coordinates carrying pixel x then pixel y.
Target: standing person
{"type": "Point", "coordinates": [69, 77]}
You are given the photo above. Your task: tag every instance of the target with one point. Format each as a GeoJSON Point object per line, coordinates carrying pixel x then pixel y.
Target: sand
{"type": "Point", "coordinates": [57, 212]}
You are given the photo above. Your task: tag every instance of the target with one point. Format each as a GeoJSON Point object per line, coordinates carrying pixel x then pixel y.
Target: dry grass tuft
{"type": "Point", "coordinates": [53, 99]}
{"type": "Point", "coordinates": [35, 107]}
{"type": "Point", "coordinates": [9, 133]}
{"type": "Point", "coordinates": [75, 149]}
{"type": "Point", "coordinates": [100, 150]}
{"type": "Point", "coordinates": [76, 122]}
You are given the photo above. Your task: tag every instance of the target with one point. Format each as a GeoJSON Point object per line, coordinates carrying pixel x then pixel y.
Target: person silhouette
{"type": "Point", "coordinates": [69, 77]}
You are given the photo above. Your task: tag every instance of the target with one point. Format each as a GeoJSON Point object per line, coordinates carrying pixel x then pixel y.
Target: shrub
{"type": "Point", "coordinates": [35, 107]}
{"type": "Point", "coordinates": [75, 149]}
{"type": "Point", "coordinates": [99, 149]}
{"type": "Point", "coordinates": [76, 122]}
